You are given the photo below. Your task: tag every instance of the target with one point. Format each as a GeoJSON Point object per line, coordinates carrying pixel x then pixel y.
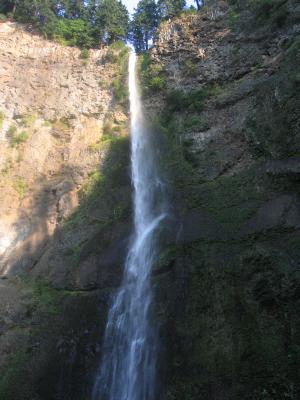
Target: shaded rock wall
{"type": "Point", "coordinates": [229, 283]}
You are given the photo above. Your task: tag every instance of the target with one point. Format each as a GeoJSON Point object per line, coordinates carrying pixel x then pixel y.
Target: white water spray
{"type": "Point", "coordinates": [128, 366]}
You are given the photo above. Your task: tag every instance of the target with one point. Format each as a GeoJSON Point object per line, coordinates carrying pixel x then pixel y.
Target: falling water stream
{"type": "Point", "coordinates": [128, 365]}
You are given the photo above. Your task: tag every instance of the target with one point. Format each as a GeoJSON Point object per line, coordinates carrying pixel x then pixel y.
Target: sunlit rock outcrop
{"type": "Point", "coordinates": [53, 106]}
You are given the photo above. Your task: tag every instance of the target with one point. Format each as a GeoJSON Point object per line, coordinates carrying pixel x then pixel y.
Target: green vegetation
{"type": "Point", "coordinates": [20, 186]}
{"type": "Point", "coordinates": [170, 8]}
{"type": "Point", "coordinates": [234, 18]}
{"type": "Point", "coordinates": [96, 179]}
{"type": "Point", "coordinates": [47, 123]}
{"type": "Point", "coordinates": [145, 21]}
{"type": "Point", "coordinates": [294, 48]}
{"type": "Point", "coordinates": [111, 130]}
{"type": "Point", "coordinates": [173, 160]}
{"type": "Point", "coordinates": [111, 56]}
{"type": "Point", "coordinates": [2, 117]}
{"type": "Point", "coordinates": [119, 84]}
{"type": "Point", "coordinates": [107, 127]}
{"type": "Point", "coordinates": [178, 100]}
{"type": "Point", "coordinates": [16, 138]}
{"type": "Point", "coordinates": [190, 67]}
{"type": "Point", "coordinates": [107, 138]}
{"type": "Point", "coordinates": [120, 90]}
{"type": "Point", "coordinates": [117, 45]}
{"type": "Point", "coordinates": [117, 53]}
{"type": "Point", "coordinates": [7, 167]}
{"type": "Point", "coordinates": [152, 75]}
{"type": "Point", "coordinates": [263, 6]}
{"type": "Point", "coordinates": [3, 18]}
{"type": "Point", "coordinates": [86, 24]}
{"type": "Point", "coordinates": [45, 299]}
{"type": "Point", "coordinates": [297, 77]}
{"type": "Point", "coordinates": [146, 18]}
{"type": "Point", "coordinates": [61, 125]}
{"type": "Point", "coordinates": [275, 133]}
{"type": "Point", "coordinates": [193, 101]}
{"type": "Point", "coordinates": [43, 305]}
{"type": "Point", "coordinates": [13, 375]}
{"type": "Point", "coordinates": [273, 10]}
{"type": "Point", "coordinates": [181, 115]}
{"type": "Point", "coordinates": [71, 32]}
{"type": "Point", "coordinates": [189, 11]}
{"type": "Point", "coordinates": [215, 90]}
{"type": "Point", "coordinates": [245, 285]}
{"type": "Point", "coordinates": [12, 131]}
{"type": "Point", "coordinates": [271, 13]}
{"type": "Point", "coordinates": [196, 122]}
{"type": "Point", "coordinates": [28, 120]}
{"type": "Point", "coordinates": [111, 21]}
{"type": "Point", "coordinates": [104, 185]}
{"type": "Point", "coordinates": [81, 23]}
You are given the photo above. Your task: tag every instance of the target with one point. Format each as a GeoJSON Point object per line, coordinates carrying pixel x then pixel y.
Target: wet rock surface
{"type": "Point", "coordinates": [228, 282]}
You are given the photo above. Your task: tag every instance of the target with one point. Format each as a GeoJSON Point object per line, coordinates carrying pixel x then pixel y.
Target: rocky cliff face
{"type": "Point", "coordinates": [65, 193]}
{"type": "Point", "coordinates": [53, 107]}
{"type": "Point", "coordinates": [229, 286]}
{"type": "Point", "coordinates": [222, 93]}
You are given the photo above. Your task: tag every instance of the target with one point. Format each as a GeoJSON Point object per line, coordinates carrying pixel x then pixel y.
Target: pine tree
{"type": "Point", "coordinates": [111, 21]}
{"type": "Point", "coordinates": [144, 23]}
{"type": "Point", "coordinates": [81, 23]}
{"type": "Point", "coordinates": [91, 9]}
{"type": "Point", "coordinates": [38, 11]}
{"type": "Point", "coordinates": [170, 8]}
{"type": "Point", "coordinates": [73, 8]}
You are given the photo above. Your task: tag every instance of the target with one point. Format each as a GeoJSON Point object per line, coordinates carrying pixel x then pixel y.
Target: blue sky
{"type": "Point", "coordinates": [130, 4]}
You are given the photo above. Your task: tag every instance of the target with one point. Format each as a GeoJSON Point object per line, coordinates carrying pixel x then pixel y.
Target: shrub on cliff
{"type": "Point", "coordinates": [85, 54]}
{"type": "Point", "coordinates": [16, 138]}
{"type": "Point", "coordinates": [178, 100]}
{"type": "Point", "coordinates": [170, 8]}
{"type": "Point", "coordinates": [75, 32]}
{"type": "Point", "coordinates": [3, 18]}
{"type": "Point", "coordinates": [120, 86]}
{"type": "Point", "coordinates": [275, 10]}
{"type": "Point", "coordinates": [2, 117]}
{"type": "Point", "coordinates": [152, 74]}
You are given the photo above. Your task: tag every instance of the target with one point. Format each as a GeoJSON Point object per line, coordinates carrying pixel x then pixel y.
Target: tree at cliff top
{"type": "Point", "coordinates": [170, 8]}
{"type": "Point", "coordinates": [73, 8]}
{"type": "Point", "coordinates": [82, 23]}
{"type": "Point", "coordinates": [111, 21]}
{"type": "Point", "coordinates": [145, 21]}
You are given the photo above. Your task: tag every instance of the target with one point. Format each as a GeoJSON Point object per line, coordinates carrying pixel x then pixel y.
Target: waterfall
{"type": "Point", "coordinates": [128, 365]}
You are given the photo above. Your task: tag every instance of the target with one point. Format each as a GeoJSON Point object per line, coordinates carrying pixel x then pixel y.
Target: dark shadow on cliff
{"type": "Point", "coordinates": [67, 281]}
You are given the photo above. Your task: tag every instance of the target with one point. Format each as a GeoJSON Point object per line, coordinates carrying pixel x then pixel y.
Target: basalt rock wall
{"type": "Point", "coordinates": [227, 80]}
{"type": "Point", "coordinates": [65, 208]}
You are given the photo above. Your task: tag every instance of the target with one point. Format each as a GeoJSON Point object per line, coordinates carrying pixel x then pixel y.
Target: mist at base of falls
{"type": "Point", "coordinates": [129, 352]}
